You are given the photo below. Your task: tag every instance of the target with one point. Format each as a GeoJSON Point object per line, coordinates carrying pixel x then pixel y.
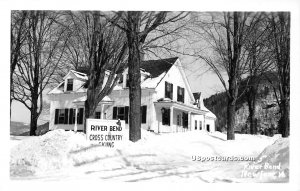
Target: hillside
{"type": "Point", "coordinates": [22, 129]}
{"type": "Point", "coordinates": [18, 128]}
{"type": "Point", "coordinates": [266, 110]}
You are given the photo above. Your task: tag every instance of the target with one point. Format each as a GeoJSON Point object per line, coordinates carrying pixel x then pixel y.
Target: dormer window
{"type": "Point", "coordinates": [127, 81]}
{"type": "Point", "coordinates": [70, 85]}
{"type": "Point", "coordinates": [121, 79]}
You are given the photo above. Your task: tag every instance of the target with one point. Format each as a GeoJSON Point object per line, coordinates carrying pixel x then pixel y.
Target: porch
{"type": "Point", "coordinates": [99, 113]}
{"type": "Point", "coordinates": [175, 116]}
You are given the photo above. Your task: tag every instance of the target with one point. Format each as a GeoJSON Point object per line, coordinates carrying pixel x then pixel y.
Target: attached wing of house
{"type": "Point", "coordinates": [167, 104]}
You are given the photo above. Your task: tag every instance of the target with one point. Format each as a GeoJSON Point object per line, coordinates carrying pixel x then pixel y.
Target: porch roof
{"type": "Point", "coordinates": [181, 106]}
{"type": "Point", "coordinates": [82, 99]}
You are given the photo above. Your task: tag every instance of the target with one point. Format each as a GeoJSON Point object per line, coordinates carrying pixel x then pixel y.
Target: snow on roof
{"type": "Point", "coordinates": [152, 82]}
{"type": "Point", "coordinates": [58, 89]}
{"type": "Point", "coordinates": [83, 98]}
{"type": "Point", "coordinates": [80, 75]}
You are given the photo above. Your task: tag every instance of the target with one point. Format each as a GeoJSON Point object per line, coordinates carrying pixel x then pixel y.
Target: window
{"type": "Point", "coordinates": [166, 116]}
{"type": "Point", "coordinates": [168, 90]}
{"type": "Point", "coordinates": [144, 114]}
{"type": "Point", "coordinates": [70, 85]}
{"type": "Point", "coordinates": [122, 113]}
{"type": "Point", "coordinates": [127, 81]}
{"type": "Point", "coordinates": [67, 116]}
{"type": "Point", "coordinates": [121, 79]}
{"type": "Point", "coordinates": [195, 124]}
{"type": "Point", "coordinates": [200, 125]}
{"type": "Point", "coordinates": [61, 116]}
{"type": "Point", "coordinates": [178, 119]}
{"type": "Point", "coordinates": [180, 94]}
{"type": "Point", "coordinates": [97, 114]}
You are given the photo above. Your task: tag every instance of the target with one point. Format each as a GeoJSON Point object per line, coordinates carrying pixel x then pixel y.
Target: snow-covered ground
{"type": "Point", "coordinates": [186, 156]}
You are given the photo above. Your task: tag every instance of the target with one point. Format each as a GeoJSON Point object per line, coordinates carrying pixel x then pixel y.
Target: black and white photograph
{"type": "Point", "coordinates": [151, 96]}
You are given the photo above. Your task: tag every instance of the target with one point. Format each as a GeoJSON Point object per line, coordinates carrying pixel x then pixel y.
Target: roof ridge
{"type": "Point", "coordinates": [79, 72]}
{"type": "Point", "coordinates": [176, 57]}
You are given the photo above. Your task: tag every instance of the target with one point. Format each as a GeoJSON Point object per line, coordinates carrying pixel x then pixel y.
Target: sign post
{"type": "Point", "coordinates": [106, 133]}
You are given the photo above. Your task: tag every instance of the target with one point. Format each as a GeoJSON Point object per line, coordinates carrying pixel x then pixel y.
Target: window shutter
{"type": "Point", "coordinates": [71, 116]}
{"type": "Point", "coordinates": [80, 117]}
{"type": "Point", "coordinates": [169, 111]}
{"type": "Point", "coordinates": [144, 114]}
{"type": "Point", "coordinates": [178, 89]}
{"type": "Point", "coordinates": [166, 89]}
{"type": "Point", "coordinates": [185, 120]}
{"type": "Point", "coordinates": [66, 116]}
{"type": "Point", "coordinates": [115, 109]}
{"type": "Point", "coordinates": [126, 114]}
{"type": "Point", "coordinates": [56, 116]}
{"type": "Point", "coordinates": [74, 113]}
{"type": "Point", "coordinates": [171, 93]}
{"type": "Point", "coordinates": [182, 95]}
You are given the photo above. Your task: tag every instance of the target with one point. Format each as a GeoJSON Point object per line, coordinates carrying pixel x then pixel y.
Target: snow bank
{"type": "Point", "coordinates": [164, 155]}
{"type": "Point", "coordinates": [274, 161]}
{"type": "Point", "coordinates": [60, 149]}
{"type": "Point", "coordinates": [42, 153]}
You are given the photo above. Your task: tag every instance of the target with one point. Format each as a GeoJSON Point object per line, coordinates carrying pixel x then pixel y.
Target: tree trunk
{"type": "Point", "coordinates": [284, 125]}
{"type": "Point", "coordinates": [33, 118]}
{"type": "Point", "coordinates": [252, 117]}
{"type": "Point", "coordinates": [134, 76]}
{"type": "Point", "coordinates": [230, 119]}
{"type": "Point", "coordinates": [251, 99]}
{"type": "Point", "coordinates": [89, 107]}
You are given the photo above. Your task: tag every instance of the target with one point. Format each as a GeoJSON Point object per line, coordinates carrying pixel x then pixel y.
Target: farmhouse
{"type": "Point", "coordinates": [168, 104]}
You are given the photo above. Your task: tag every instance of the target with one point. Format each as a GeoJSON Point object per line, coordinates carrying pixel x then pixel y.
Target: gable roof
{"type": "Point", "coordinates": [78, 75]}
{"type": "Point", "coordinates": [157, 67]}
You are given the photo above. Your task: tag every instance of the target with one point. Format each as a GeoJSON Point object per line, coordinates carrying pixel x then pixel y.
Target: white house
{"type": "Point", "coordinates": [168, 104]}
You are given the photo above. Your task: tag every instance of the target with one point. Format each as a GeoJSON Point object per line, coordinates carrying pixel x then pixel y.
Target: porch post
{"type": "Point", "coordinates": [190, 121]}
{"type": "Point", "coordinates": [75, 126]}
{"type": "Point", "coordinates": [171, 118]}
{"type": "Point", "coordinates": [102, 109]}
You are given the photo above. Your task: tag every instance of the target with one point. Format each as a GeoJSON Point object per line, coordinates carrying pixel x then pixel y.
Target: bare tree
{"type": "Point", "coordinates": [225, 35]}
{"type": "Point", "coordinates": [101, 47]}
{"type": "Point", "coordinates": [137, 26]}
{"type": "Point", "coordinates": [259, 64]}
{"type": "Point", "coordinates": [280, 46]}
{"type": "Point", "coordinates": [38, 60]}
{"type": "Point", "coordinates": [17, 39]}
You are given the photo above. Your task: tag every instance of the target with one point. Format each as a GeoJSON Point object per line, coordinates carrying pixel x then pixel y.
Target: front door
{"type": "Point", "coordinates": [207, 128]}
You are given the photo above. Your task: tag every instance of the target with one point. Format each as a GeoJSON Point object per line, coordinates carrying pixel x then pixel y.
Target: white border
{"type": "Point", "coordinates": [186, 5]}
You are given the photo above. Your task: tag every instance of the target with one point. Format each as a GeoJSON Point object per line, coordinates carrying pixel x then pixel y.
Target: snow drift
{"type": "Point", "coordinates": [61, 154]}
{"type": "Point", "coordinates": [58, 149]}
{"type": "Point", "coordinates": [274, 161]}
